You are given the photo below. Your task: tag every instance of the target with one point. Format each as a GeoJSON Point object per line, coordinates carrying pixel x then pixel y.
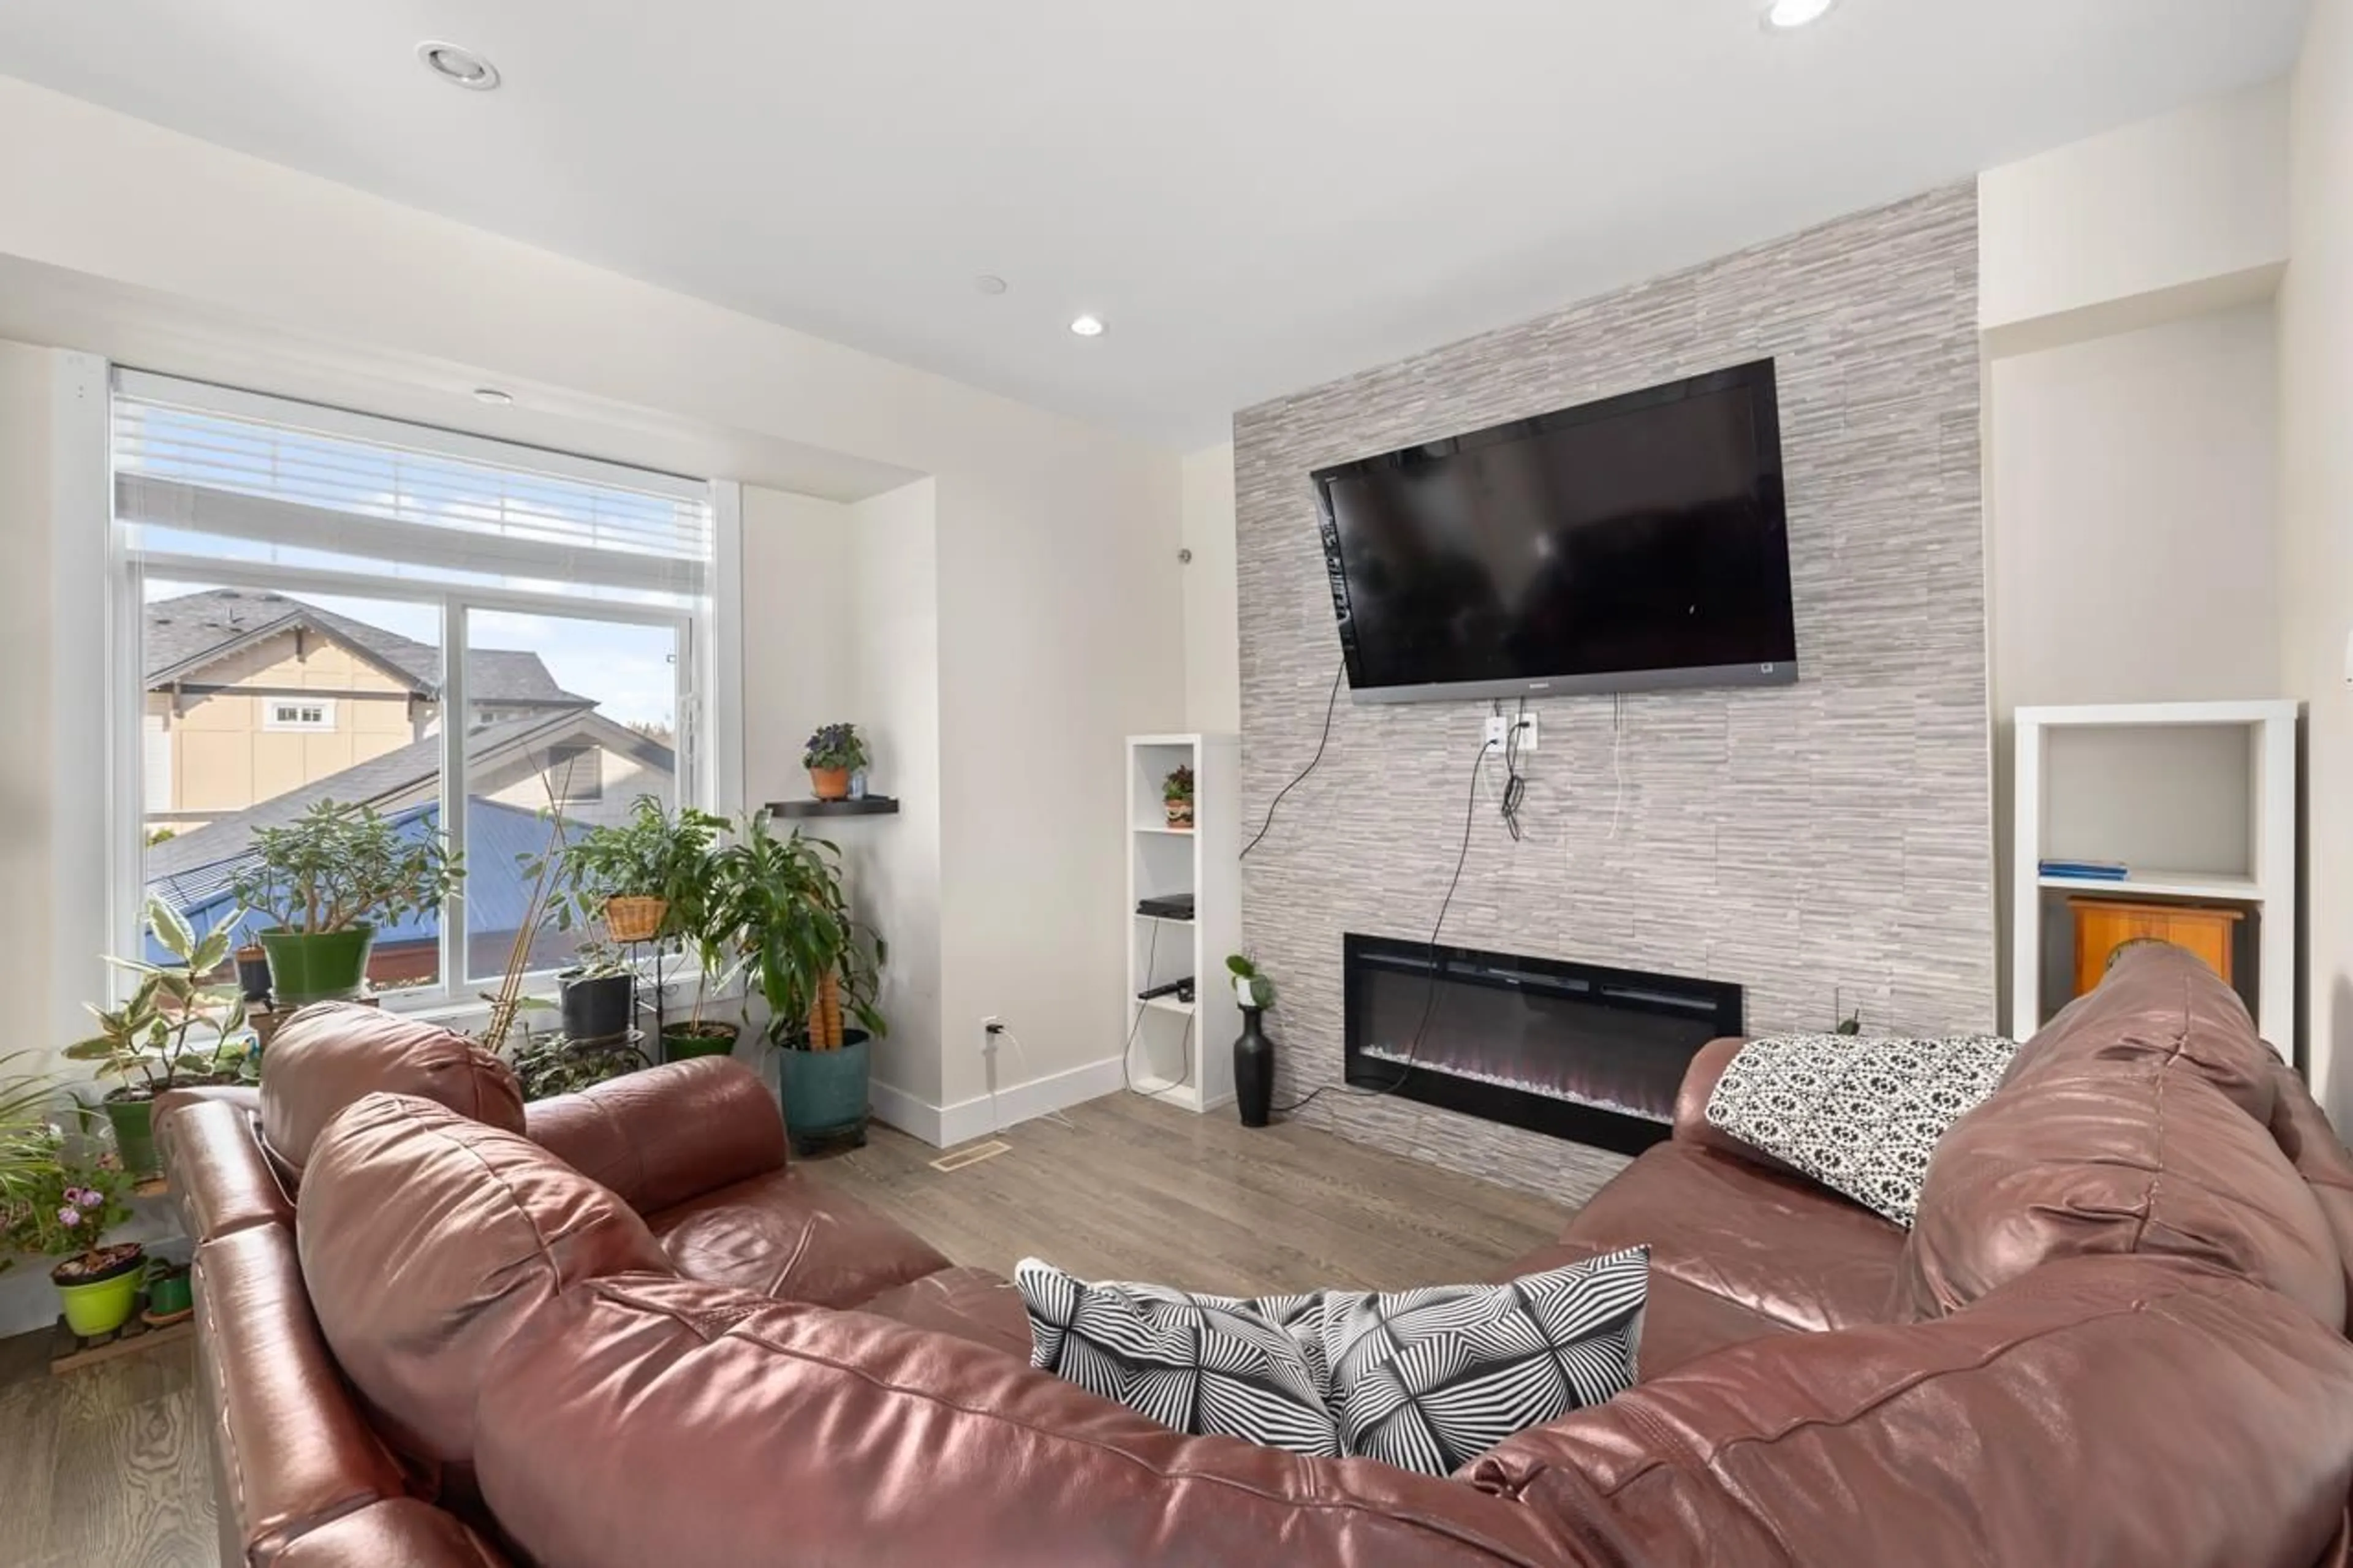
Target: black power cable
{"type": "Point", "coordinates": [1330, 705]}
{"type": "Point", "coordinates": [1429, 997]}
{"type": "Point", "coordinates": [1184, 1046]}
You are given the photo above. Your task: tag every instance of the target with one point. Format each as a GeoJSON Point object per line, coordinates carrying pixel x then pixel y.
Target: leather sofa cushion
{"type": "Point", "coordinates": [428, 1240]}
{"type": "Point", "coordinates": [2107, 1410]}
{"type": "Point", "coordinates": [665, 1135]}
{"type": "Point", "coordinates": [402, 1530]}
{"type": "Point", "coordinates": [781, 1235]}
{"type": "Point", "coordinates": [328, 1055]}
{"type": "Point", "coordinates": [1781, 1247]}
{"type": "Point", "coordinates": [2310, 1144]}
{"type": "Point", "coordinates": [2141, 1128]}
{"type": "Point", "coordinates": [672, 1422]}
{"type": "Point", "coordinates": [970, 1303]}
{"type": "Point", "coordinates": [1680, 1322]}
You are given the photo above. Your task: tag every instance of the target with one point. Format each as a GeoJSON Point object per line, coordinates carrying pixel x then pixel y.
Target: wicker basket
{"type": "Point", "coordinates": [633, 919]}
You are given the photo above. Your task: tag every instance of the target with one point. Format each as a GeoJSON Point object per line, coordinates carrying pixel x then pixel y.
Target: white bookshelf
{"type": "Point", "coordinates": [2113, 781]}
{"type": "Point", "coordinates": [1182, 1052]}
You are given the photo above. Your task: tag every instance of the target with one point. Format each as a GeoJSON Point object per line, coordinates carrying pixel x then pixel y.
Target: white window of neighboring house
{"type": "Point", "coordinates": [155, 759]}
{"type": "Point", "coordinates": [563, 603]}
{"type": "Point", "coordinates": [299, 713]}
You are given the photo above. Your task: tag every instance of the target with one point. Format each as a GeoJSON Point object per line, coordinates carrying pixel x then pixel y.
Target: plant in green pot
{"type": "Point", "coordinates": [327, 882]}
{"type": "Point", "coordinates": [175, 1028]}
{"type": "Point", "coordinates": [62, 1208]}
{"type": "Point", "coordinates": [815, 965]}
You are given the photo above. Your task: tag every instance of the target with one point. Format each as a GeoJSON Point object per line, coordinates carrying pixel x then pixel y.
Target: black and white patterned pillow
{"type": "Point", "coordinates": [1860, 1116]}
{"type": "Point", "coordinates": [1426, 1380]}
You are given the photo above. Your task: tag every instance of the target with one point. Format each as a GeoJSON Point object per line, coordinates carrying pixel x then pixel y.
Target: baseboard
{"type": "Point", "coordinates": [945, 1127]}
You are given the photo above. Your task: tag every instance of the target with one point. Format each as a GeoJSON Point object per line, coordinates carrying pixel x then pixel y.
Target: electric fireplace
{"type": "Point", "coordinates": [1584, 1053]}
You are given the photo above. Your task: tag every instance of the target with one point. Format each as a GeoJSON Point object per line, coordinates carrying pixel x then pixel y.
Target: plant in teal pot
{"type": "Point", "coordinates": [327, 881]}
{"type": "Point", "coordinates": [177, 1027]}
{"type": "Point", "coordinates": [63, 1209]}
{"type": "Point", "coordinates": [817, 967]}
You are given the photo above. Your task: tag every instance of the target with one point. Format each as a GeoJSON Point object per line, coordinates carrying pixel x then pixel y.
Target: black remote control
{"type": "Point", "coordinates": [1173, 988]}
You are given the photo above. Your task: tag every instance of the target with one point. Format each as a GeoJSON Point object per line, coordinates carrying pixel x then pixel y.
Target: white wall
{"type": "Point", "coordinates": [894, 696]}
{"type": "Point", "coordinates": [1213, 674]}
{"type": "Point", "coordinates": [2163, 204]}
{"type": "Point", "coordinates": [27, 378]}
{"type": "Point", "coordinates": [796, 629]}
{"type": "Point", "coordinates": [1060, 619]}
{"type": "Point", "coordinates": [2316, 474]}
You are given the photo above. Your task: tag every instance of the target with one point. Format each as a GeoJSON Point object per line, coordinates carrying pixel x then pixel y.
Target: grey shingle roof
{"type": "Point", "coordinates": [185, 633]}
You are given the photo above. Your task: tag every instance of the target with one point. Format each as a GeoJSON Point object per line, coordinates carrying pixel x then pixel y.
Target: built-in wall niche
{"type": "Point", "coordinates": [2196, 800]}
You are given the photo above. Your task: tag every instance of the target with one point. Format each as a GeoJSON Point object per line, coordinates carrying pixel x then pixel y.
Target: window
{"type": "Point", "coordinates": [318, 713]}
{"type": "Point", "coordinates": [318, 594]}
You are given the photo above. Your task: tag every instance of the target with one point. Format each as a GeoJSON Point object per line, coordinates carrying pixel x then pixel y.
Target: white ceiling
{"type": "Point", "coordinates": [1257, 194]}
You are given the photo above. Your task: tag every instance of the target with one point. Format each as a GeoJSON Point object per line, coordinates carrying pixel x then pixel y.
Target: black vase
{"type": "Point", "coordinates": [1254, 1070]}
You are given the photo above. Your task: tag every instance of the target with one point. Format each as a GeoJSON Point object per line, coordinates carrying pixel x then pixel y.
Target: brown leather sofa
{"type": "Point", "coordinates": [437, 1326]}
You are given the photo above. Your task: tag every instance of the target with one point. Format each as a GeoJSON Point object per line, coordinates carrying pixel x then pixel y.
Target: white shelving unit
{"type": "Point", "coordinates": [2069, 802]}
{"type": "Point", "coordinates": [1182, 1052]}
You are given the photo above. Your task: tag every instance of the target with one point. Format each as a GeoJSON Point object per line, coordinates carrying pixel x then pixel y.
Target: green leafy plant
{"type": "Point", "coordinates": [1848, 1023]}
{"type": "Point", "coordinates": [1262, 989]}
{"type": "Point", "coordinates": [551, 1063]}
{"type": "Point", "coordinates": [338, 866]}
{"type": "Point", "coordinates": [655, 853]}
{"type": "Point", "coordinates": [26, 1130]}
{"type": "Point", "coordinates": [173, 1028]}
{"type": "Point", "coordinates": [64, 1206]}
{"type": "Point", "coordinates": [785, 906]}
{"type": "Point", "coordinates": [1177, 785]}
{"type": "Point", "coordinates": [835, 746]}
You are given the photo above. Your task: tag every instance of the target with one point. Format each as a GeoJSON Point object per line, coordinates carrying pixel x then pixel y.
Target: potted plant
{"type": "Point", "coordinates": [326, 881]}
{"type": "Point", "coordinates": [253, 974]}
{"type": "Point", "coordinates": [815, 965]}
{"type": "Point", "coordinates": [174, 1029]}
{"type": "Point", "coordinates": [598, 996]}
{"type": "Point", "coordinates": [171, 1298]}
{"type": "Point", "coordinates": [1176, 794]}
{"type": "Point", "coordinates": [63, 1208]}
{"type": "Point", "coordinates": [1253, 1052]}
{"type": "Point", "coordinates": [552, 1063]}
{"type": "Point", "coordinates": [645, 879]}
{"type": "Point", "coordinates": [833, 753]}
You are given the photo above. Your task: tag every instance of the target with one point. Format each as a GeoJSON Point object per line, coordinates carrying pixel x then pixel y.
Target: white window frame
{"type": "Point", "coordinates": [275, 718]}
{"type": "Point", "coordinates": [99, 667]}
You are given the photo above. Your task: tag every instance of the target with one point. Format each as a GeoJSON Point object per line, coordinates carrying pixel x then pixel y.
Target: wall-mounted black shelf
{"type": "Point", "coordinates": [872, 805]}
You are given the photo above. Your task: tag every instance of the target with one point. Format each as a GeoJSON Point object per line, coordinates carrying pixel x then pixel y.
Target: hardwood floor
{"type": "Point", "coordinates": [106, 1466]}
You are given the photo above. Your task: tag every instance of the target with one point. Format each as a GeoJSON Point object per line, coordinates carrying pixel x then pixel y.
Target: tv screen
{"type": "Point", "coordinates": [1634, 544]}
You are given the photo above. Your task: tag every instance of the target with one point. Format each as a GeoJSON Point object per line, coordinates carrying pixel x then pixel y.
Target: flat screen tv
{"type": "Point", "coordinates": [1637, 543]}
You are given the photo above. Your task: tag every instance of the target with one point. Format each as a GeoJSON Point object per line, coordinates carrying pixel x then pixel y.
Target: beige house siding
{"type": "Point", "coordinates": [625, 777]}
{"type": "Point", "coordinates": [224, 757]}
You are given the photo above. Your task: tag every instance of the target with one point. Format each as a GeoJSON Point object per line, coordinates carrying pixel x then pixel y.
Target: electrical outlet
{"type": "Point", "coordinates": [990, 1027]}
{"type": "Point", "coordinates": [1499, 732]}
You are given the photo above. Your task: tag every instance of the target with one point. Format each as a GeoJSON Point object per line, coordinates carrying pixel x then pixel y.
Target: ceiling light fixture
{"type": "Point", "coordinates": [1786, 14]}
{"type": "Point", "coordinates": [1088, 326]}
{"type": "Point", "coordinates": [990, 283]}
{"type": "Point", "coordinates": [453, 63]}
{"type": "Point", "coordinates": [493, 397]}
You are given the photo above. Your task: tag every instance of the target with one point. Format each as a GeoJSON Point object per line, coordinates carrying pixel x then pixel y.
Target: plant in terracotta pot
{"type": "Point", "coordinates": [833, 753]}
{"type": "Point", "coordinates": [1176, 794]}
{"type": "Point", "coordinates": [817, 969]}
{"type": "Point", "coordinates": [175, 1028]}
{"type": "Point", "coordinates": [327, 880]}
{"type": "Point", "coordinates": [63, 1208]}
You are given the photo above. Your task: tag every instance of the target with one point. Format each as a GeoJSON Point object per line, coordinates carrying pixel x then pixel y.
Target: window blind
{"type": "Point", "coordinates": [206, 471]}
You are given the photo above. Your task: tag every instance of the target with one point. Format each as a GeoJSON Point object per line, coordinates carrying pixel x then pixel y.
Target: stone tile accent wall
{"type": "Point", "coordinates": [1833, 837]}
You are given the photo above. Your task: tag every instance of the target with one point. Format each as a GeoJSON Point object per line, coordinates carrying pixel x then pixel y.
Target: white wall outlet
{"type": "Point", "coordinates": [1499, 731]}
{"type": "Point", "coordinates": [990, 1028]}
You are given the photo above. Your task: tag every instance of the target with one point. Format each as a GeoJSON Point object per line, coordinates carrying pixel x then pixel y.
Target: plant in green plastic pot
{"type": "Point", "coordinates": [62, 1208]}
{"type": "Point", "coordinates": [175, 1028]}
{"type": "Point", "coordinates": [326, 881]}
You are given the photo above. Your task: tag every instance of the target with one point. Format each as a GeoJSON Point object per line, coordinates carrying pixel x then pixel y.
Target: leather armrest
{"type": "Point", "coordinates": [402, 1529]}
{"type": "Point", "coordinates": [246, 1097]}
{"type": "Point", "coordinates": [222, 1178]}
{"type": "Point", "coordinates": [665, 1135]}
{"type": "Point", "coordinates": [1692, 1125]}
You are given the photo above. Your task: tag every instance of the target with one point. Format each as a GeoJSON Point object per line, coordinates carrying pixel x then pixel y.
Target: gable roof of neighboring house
{"type": "Point", "coordinates": [186, 634]}
{"type": "Point", "coordinates": [194, 866]}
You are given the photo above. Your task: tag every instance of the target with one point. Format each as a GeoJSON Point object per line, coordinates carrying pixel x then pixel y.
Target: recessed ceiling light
{"type": "Point", "coordinates": [463, 66]}
{"type": "Point", "coordinates": [1784, 15]}
{"type": "Point", "coordinates": [990, 283]}
{"type": "Point", "coordinates": [1088, 326]}
{"type": "Point", "coordinates": [493, 397]}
